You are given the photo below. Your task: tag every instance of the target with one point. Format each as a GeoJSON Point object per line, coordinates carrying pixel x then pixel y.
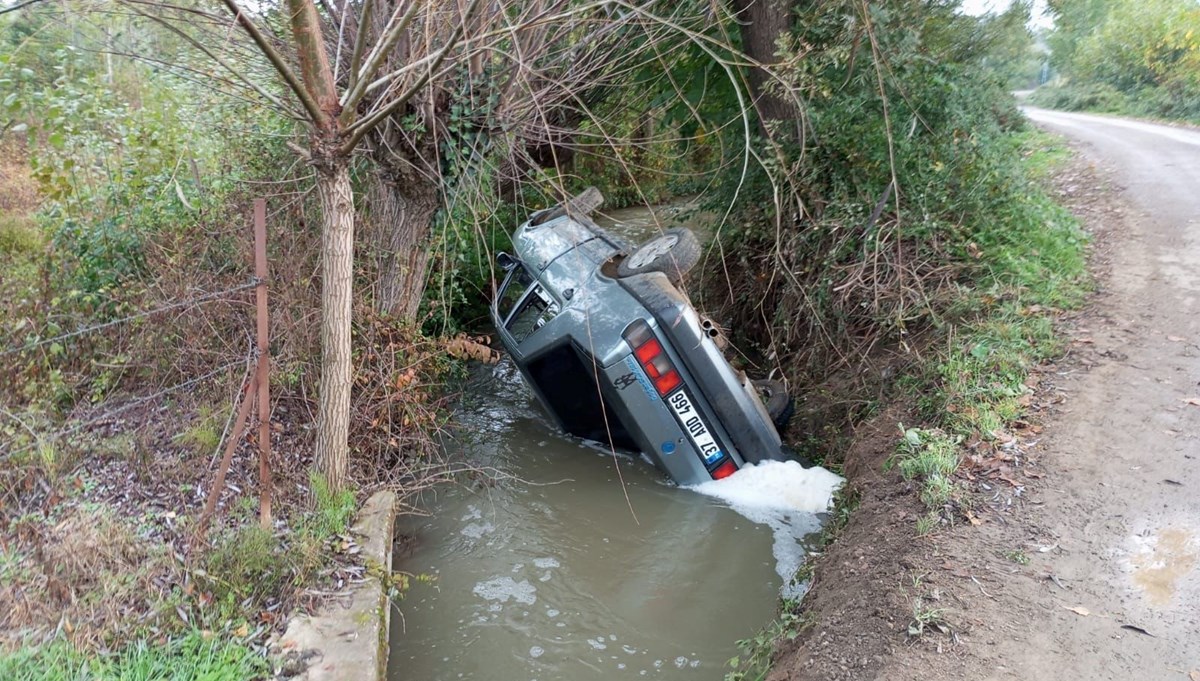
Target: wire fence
{"type": "Point", "coordinates": [177, 305]}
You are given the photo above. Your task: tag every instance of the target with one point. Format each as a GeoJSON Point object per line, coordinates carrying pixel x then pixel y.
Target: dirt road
{"type": "Point", "coordinates": [1082, 561]}
{"type": "Point", "coordinates": [1119, 518]}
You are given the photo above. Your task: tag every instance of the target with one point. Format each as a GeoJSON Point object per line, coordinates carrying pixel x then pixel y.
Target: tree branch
{"type": "Point", "coordinates": [360, 39]}
{"type": "Point", "coordinates": [276, 60]}
{"type": "Point", "coordinates": [391, 34]}
{"type": "Point", "coordinates": [212, 55]}
{"type": "Point", "coordinates": [18, 6]}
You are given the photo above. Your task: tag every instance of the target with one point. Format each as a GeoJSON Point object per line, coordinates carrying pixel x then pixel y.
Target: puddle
{"type": "Point", "coordinates": [1160, 560]}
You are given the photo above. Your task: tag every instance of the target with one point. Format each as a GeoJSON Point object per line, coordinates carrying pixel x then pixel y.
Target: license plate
{"type": "Point", "coordinates": [689, 417]}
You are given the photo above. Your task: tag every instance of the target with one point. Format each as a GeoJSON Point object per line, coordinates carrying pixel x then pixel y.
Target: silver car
{"type": "Point", "coordinates": [617, 355]}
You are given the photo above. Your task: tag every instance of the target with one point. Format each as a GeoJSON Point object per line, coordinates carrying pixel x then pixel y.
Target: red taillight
{"type": "Point", "coordinates": [667, 382]}
{"type": "Point", "coordinates": [724, 470]}
{"type": "Point", "coordinates": [653, 358]}
{"type": "Point", "coordinates": [648, 351]}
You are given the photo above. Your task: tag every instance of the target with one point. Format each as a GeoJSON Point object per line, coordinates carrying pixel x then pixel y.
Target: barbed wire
{"type": "Point", "coordinates": [205, 298]}
{"type": "Point", "coordinates": [40, 438]}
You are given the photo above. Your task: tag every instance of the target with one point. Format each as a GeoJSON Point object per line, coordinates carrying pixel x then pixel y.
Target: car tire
{"type": "Point", "coordinates": [776, 399]}
{"type": "Point", "coordinates": [674, 253]}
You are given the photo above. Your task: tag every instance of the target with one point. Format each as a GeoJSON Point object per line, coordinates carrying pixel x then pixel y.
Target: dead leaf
{"type": "Point", "coordinates": [1194, 675]}
{"type": "Point", "coordinates": [1176, 339]}
{"type": "Point", "coordinates": [1085, 341]}
{"type": "Point", "coordinates": [466, 348]}
{"type": "Point", "coordinates": [1079, 610]}
{"type": "Point", "coordinates": [1134, 627]}
{"type": "Point", "coordinates": [1194, 401]}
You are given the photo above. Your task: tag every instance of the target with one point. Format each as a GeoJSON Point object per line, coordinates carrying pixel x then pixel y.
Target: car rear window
{"type": "Point", "coordinates": [537, 309]}
{"type": "Point", "coordinates": [514, 287]}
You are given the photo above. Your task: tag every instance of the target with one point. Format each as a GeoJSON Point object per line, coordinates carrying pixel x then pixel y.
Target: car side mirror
{"type": "Point", "coordinates": [506, 261]}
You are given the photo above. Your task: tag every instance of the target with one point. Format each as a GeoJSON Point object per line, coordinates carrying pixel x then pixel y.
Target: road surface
{"type": "Point", "coordinates": [1121, 516]}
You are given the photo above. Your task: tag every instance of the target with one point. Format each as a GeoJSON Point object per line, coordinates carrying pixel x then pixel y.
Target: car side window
{"type": "Point", "coordinates": [537, 309]}
{"type": "Point", "coordinates": [515, 286]}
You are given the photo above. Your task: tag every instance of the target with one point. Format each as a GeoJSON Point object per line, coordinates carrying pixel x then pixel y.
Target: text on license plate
{"type": "Point", "coordinates": [698, 432]}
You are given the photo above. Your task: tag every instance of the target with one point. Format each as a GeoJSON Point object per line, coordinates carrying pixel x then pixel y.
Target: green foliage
{"type": "Point", "coordinates": [195, 656]}
{"type": "Point", "coordinates": [19, 236]}
{"type": "Point", "coordinates": [333, 509]}
{"type": "Point", "coordinates": [754, 661]}
{"type": "Point", "coordinates": [1139, 57]}
{"type": "Point", "coordinates": [203, 435]}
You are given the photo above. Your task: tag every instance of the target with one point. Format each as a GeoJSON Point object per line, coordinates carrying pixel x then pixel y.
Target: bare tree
{"type": "Point", "coordinates": [503, 84]}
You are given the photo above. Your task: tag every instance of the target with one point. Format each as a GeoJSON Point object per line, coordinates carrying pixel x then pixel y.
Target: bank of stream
{"type": "Point", "coordinates": [572, 562]}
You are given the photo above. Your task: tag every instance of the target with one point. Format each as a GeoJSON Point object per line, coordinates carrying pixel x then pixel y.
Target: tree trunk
{"type": "Point", "coordinates": [337, 280]}
{"type": "Point", "coordinates": [761, 23]}
{"type": "Point", "coordinates": [402, 213]}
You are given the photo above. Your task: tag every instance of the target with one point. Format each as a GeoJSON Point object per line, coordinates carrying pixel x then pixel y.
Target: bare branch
{"type": "Point", "coordinates": [310, 105]}
{"type": "Point", "coordinates": [360, 39]}
{"type": "Point", "coordinates": [216, 58]}
{"type": "Point", "coordinates": [367, 124]}
{"type": "Point", "coordinates": [391, 34]}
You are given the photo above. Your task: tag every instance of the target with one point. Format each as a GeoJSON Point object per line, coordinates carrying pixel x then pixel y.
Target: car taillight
{"type": "Point", "coordinates": [724, 470]}
{"type": "Point", "coordinates": [654, 360]}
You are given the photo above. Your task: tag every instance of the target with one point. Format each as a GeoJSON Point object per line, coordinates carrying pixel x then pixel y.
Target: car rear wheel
{"type": "Point", "coordinates": [777, 401]}
{"type": "Point", "coordinates": [673, 253]}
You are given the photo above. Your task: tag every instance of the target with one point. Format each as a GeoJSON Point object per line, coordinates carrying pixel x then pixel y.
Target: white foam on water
{"type": "Point", "coordinates": [504, 588]}
{"type": "Point", "coordinates": [777, 494]}
{"type": "Point", "coordinates": [536, 651]}
{"type": "Point", "coordinates": [477, 530]}
{"type": "Point", "coordinates": [546, 563]}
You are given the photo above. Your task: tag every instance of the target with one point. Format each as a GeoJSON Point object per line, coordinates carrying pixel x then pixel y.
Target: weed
{"type": "Point", "coordinates": [19, 236]}
{"type": "Point", "coordinates": [926, 618]}
{"type": "Point", "coordinates": [930, 456]}
{"type": "Point", "coordinates": [753, 662]}
{"type": "Point", "coordinates": [203, 436]}
{"type": "Point", "coordinates": [333, 510]}
{"type": "Point", "coordinates": [247, 562]}
{"type": "Point", "coordinates": [927, 523]}
{"type": "Point", "coordinates": [1017, 556]}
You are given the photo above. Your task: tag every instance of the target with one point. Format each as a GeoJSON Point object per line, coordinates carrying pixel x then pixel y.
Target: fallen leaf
{"type": "Point", "coordinates": [1134, 627]}
{"type": "Point", "coordinates": [1176, 339]}
{"type": "Point", "coordinates": [1085, 341]}
{"type": "Point", "coordinates": [1194, 675]}
{"type": "Point", "coordinates": [1079, 610]}
{"type": "Point", "coordinates": [1194, 401]}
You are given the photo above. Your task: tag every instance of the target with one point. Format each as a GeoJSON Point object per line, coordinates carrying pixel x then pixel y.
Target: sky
{"type": "Point", "coordinates": [977, 7]}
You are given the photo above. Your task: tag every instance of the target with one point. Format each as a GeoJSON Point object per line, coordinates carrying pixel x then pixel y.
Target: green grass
{"type": "Point", "coordinates": [203, 435]}
{"type": "Point", "coordinates": [19, 236]}
{"type": "Point", "coordinates": [1032, 263]}
{"type": "Point", "coordinates": [195, 656]}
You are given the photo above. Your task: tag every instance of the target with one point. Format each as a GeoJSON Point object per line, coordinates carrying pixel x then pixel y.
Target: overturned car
{"type": "Point", "coordinates": [614, 351]}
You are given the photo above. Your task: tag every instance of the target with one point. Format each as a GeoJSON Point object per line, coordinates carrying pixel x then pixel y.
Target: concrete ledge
{"type": "Point", "coordinates": [348, 639]}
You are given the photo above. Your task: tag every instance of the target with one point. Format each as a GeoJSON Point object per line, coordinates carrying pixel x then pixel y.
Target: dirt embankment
{"type": "Point", "coordinates": [1075, 558]}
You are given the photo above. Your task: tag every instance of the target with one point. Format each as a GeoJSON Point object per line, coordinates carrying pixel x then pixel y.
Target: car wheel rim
{"type": "Point", "coordinates": [652, 250]}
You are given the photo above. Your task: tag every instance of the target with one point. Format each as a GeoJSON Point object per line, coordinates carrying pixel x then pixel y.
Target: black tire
{"type": "Point", "coordinates": [776, 399]}
{"type": "Point", "coordinates": [674, 253]}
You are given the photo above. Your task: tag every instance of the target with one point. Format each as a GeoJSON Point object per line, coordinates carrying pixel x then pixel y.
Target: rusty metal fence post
{"type": "Point", "coordinates": [264, 364]}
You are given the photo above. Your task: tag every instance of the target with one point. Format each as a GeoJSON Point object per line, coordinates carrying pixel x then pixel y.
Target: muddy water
{"type": "Point", "coordinates": [575, 563]}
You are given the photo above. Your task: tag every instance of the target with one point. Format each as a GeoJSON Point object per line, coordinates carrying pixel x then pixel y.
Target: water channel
{"type": "Point", "coordinates": [575, 563]}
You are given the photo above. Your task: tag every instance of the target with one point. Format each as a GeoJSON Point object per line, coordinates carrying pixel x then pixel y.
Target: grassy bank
{"type": "Point", "coordinates": [970, 386]}
{"type": "Point", "coordinates": [195, 655]}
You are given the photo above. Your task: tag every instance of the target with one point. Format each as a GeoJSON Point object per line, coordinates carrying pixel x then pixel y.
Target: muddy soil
{"type": "Point", "coordinates": [1082, 560]}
